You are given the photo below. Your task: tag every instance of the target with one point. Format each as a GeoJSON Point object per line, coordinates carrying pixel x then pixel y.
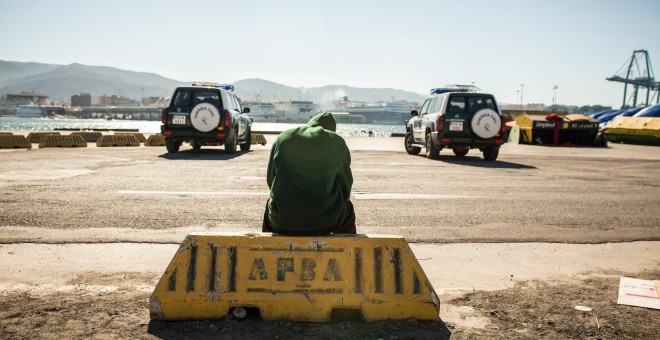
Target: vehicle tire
{"type": "Point", "coordinates": [230, 147]}
{"type": "Point", "coordinates": [491, 153]}
{"type": "Point", "coordinates": [248, 143]}
{"type": "Point", "coordinates": [486, 123]}
{"type": "Point", "coordinates": [205, 117]}
{"type": "Point", "coordinates": [461, 151]}
{"type": "Point", "coordinates": [172, 146]}
{"type": "Point", "coordinates": [196, 145]}
{"type": "Point", "coordinates": [432, 152]}
{"type": "Point", "coordinates": [408, 142]}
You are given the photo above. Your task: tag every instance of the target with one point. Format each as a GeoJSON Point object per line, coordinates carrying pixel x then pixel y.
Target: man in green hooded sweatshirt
{"type": "Point", "coordinates": [310, 180]}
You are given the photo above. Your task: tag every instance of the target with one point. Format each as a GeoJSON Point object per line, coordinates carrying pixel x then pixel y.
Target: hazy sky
{"type": "Point", "coordinates": [410, 45]}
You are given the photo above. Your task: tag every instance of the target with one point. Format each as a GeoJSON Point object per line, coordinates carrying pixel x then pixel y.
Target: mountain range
{"type": "Point", "coordinates": [60, 82]}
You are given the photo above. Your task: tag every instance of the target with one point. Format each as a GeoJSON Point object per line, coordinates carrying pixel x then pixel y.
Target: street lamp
{"type": "Point", "coordinates": [517, 97]}
{"type": "Point", "coordinates": [521, 95]}
{"type": "Point", "coordinates": [554, 95]}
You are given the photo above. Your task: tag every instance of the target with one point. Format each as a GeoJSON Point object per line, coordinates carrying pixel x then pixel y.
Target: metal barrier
{"type": "Point", "coordinates": [63, 141]}
{"type": "Point", "coordinates": [38, 137]}
{"type": "Point", "coordinates": [117, 140]}
{"type": "Point", "coordinates": [14, 142]}
{"type": "Point", "coordinates": [294, 278]}
{"type": "Point", "coordinates": [155, 140]}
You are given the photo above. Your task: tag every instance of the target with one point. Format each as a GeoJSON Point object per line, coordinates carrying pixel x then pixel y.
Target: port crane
{"type": "Point", "coordinates": [638, 72]}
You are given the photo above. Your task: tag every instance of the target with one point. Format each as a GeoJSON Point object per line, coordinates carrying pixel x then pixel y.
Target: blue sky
{"type": "Point", "coordinates": [409, 45]}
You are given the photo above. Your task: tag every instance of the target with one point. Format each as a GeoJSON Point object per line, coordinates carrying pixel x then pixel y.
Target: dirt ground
{"type": "Point", "coordinates": [532, 309]}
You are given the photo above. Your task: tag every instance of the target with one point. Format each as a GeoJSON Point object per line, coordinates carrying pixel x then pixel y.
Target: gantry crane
{"type": "Point", "coordinates": [638, 72]}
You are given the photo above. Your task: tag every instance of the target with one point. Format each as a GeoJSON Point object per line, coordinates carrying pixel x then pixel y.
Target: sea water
{"type": "Point", "coordinates": [153, 126]}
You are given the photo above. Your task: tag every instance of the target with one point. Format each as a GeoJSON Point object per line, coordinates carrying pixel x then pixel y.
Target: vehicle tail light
{"type": "Point", "coordinates": [440, 123]}
{"type": "Point", "coordinates": [221, 136]}
{"type": "Point", "coordinates": [167, 133]}
{"type": "Point", "coordinates": [164, 113]}
{"type": "Point", "coordinates": [446, 140]}
{"type": "Point", "coordinates": [499, 141]}
{"type": "Point", "coordinates": [227, 118]}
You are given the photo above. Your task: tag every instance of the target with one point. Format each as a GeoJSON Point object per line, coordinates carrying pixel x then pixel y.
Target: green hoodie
{"type": "Point", "coordinates": [309, 176]}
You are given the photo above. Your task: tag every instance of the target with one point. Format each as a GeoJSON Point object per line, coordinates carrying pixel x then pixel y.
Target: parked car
{"type": "Point", "coordinates": [206, 114]}
{"type": "Point", "coordinates": [458, 119]}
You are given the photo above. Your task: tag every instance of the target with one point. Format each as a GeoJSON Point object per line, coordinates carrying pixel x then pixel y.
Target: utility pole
{"type": "Point", "coordinates": [521, 95]}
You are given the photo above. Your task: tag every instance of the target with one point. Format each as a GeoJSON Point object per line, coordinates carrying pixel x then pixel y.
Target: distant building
{"type": "Point", "coordinates": [81, 100]}
{"type": "Point", "coordinates": [115, 101]}
{"type": "Point", "coordinates": [25, 98]}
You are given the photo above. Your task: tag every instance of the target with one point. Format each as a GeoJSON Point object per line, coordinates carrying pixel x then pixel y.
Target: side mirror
{"type": "Point", "coordinates": [246, 110]}
{"type": "Point", "coordinates": [414, 113]}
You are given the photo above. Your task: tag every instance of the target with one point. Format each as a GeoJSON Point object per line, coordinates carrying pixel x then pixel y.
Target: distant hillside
{"type": "Point", "coordinates": [248, 89]}
{"type": "Point", "coordinates": [60, 82]}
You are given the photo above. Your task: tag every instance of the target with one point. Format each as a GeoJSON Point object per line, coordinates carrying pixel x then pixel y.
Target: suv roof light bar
{"type": "Point", "coordinates": [455, 88]}
{"type": "Point", "coordinates": [226, 87]}
{"type": "Point", "coordinates": [441, 90]}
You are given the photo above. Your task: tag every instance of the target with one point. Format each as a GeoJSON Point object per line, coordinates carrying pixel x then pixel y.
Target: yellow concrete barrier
{"type": "Point", "coordinates": [38, 137]}
{"type": "Point", "coordinates": [117, 140]}
{"type": "Point", "coordinates": [155, 140]}
{"type": "Point", "coordinates": [63, 141]}
{"type": "Point", "coordinates": [14, 142]}
{"type": "Point", "coordinates": [258, 138]}
{"type": "Point", "coordinates": [139, 136]}
{"type": "Point", "coordinates": [89, 136]}
{"type": "Point", "coordinates": [294, 278]}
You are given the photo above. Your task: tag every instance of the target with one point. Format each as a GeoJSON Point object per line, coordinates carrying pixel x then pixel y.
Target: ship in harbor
{"type": "Point", "coordinates": [39, 111]}
{"type": "Point", "coordinates": [381, 113]}
{"type": "Point", "coordinates": [263, 112]}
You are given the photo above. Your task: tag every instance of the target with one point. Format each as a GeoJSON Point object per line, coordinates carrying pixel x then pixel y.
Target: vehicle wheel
{"type": "Point", "coordinates": [196, 145]}
{"type": "Point", "coordinates": [491, 153]}
{"type": "Point", "coordinates": [461, 151]}
{"type": "Point", "coordinates": [248, 143]}
{"type": "Point", "coordinates": [172, 146]}
{"type": "Point", "coordinates": [230, 147]}
{"type": "Point", "coordinates": [410, 149]}
{"type": "Point", "coordinates": [432, 152]}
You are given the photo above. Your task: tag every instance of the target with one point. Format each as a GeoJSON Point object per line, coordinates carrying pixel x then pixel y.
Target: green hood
{"type": "Point", "coordinates": [324, 120]}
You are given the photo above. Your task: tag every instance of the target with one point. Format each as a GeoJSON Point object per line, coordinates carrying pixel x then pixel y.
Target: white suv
{"type": "Point", "coordinates": [458, 119]}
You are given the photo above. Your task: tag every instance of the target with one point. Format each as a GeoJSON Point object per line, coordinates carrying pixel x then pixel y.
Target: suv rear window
{"type": "Point", "coordinates": [458, 104]}
{"type": "Point", "coordinates": [183, 98]}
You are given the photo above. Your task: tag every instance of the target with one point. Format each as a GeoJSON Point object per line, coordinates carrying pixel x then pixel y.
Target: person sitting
{"type": "Point", "coordinates": [310, 180]}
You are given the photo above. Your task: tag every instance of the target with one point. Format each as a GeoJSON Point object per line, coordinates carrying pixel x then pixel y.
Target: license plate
{"type": "Point", "coordinates": [456, 126]}
{"type": "Point", "coordinates": [181, 120]}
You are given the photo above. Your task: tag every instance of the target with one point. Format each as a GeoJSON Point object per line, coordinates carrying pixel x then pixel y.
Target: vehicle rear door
{"type": "Point", "coordinates": [179, 110]}
{"type": "Point", "coordinates": [457, 117]}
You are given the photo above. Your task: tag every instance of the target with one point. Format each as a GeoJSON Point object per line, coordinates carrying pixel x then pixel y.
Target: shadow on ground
{"type": "Point", "coordinates": [202, 154]}
{"type": "Point", "coordinates": [479, 162]}
{"type": "Point", "coordinates": [259, 329]}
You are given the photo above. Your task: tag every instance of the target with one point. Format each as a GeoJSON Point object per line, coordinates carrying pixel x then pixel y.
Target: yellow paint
{"type": "Point", "coordinates": [155, 140]}
{"type": "Point", "coordinates": [63, 141]}
{"type": "Point", "coordinates": [258, 138]}
{"type": "Point", "coordinates": [117, 140]}
{"type": "Point", "coordinates": [14, 142]}
{"type": "Point", "coordinates": [294, 278]}
{"type": "Point", "coordinates": [38, 137]}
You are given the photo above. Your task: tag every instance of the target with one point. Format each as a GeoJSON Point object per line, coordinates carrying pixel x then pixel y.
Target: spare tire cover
{"type": "Point", "coordinates": [205, 117]}
{"type": "Point", "coordinates": [486, 123]}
